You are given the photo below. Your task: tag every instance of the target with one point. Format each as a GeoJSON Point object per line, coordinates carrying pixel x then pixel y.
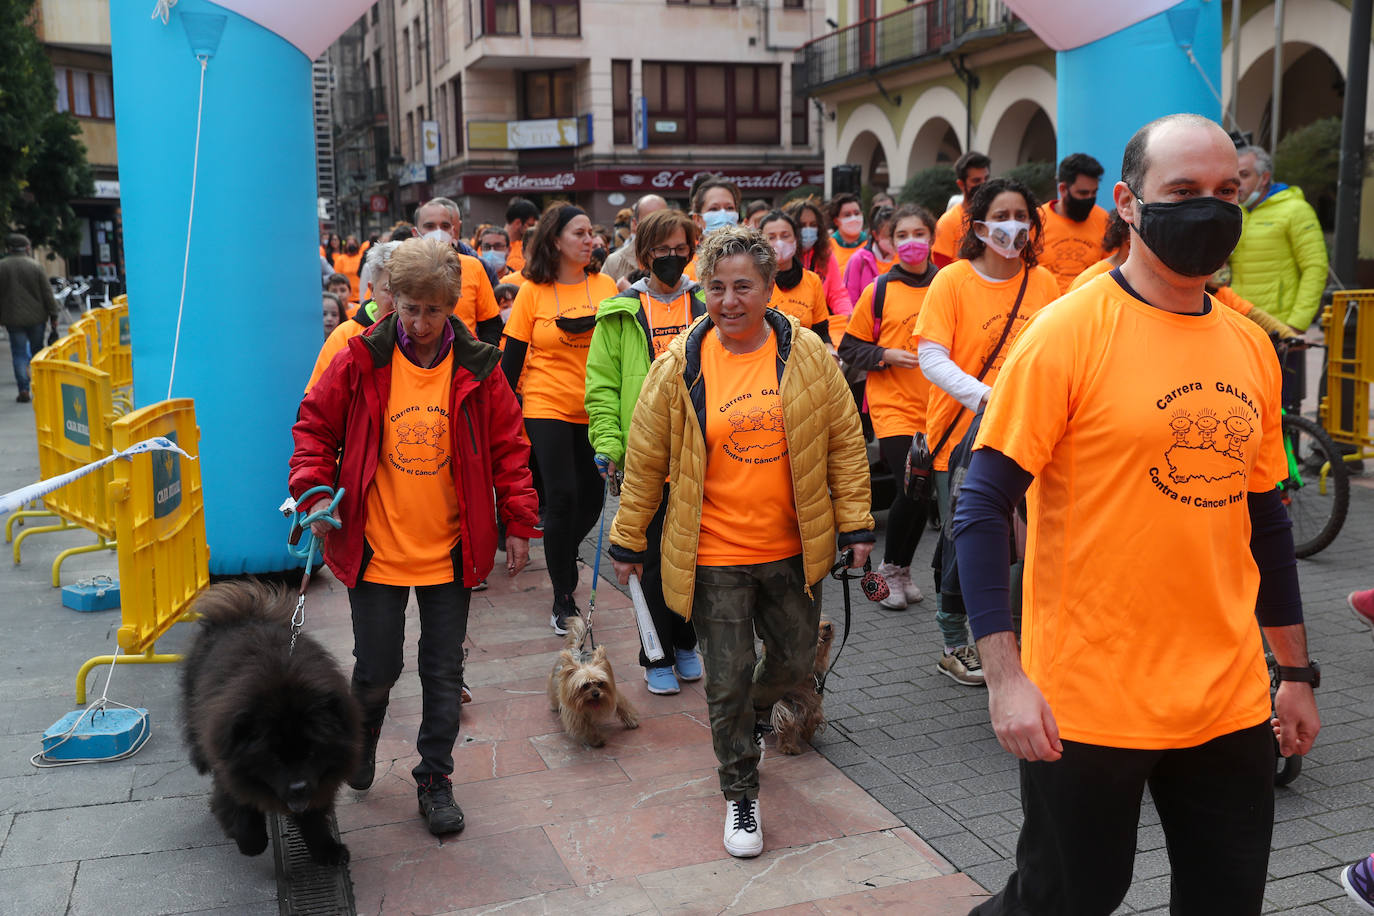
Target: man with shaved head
{"type": "Point", "coordinates": [1148, 418]}
{"type": "Point", "coordinates": [622, 261]}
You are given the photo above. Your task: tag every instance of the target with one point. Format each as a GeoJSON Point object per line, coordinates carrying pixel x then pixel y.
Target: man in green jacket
{"type": "Point", "coordinates": [632, 330]}
{"type": "Point", "coordinates": [26, 305]}
{"type": "Point", "coordinates": [1280, 262]}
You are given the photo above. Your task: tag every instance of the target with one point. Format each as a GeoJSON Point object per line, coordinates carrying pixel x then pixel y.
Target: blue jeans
{"type": "Point", "coordinates": [25, 341]}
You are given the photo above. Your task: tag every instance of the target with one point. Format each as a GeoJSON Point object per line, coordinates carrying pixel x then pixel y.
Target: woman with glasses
{"type": "Point", "coordinates": [633, 330]}
{"type": "Point", "coordinates": [547, 337]}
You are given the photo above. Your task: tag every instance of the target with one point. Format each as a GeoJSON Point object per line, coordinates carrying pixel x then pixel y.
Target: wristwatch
{"type": "Point", "coordinates": [1311, 674]}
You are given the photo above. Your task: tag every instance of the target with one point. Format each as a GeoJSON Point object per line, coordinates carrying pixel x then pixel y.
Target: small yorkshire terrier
{"type": "Point", "coordinates": [798, 715]}
{"type": "Point", "coordinates": [582, 689]}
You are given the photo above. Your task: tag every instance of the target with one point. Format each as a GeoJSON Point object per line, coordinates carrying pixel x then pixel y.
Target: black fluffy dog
{"type": "Point", "coordinates": [278, 732]}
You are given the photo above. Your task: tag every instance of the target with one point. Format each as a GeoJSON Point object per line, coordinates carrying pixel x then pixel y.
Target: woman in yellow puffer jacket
{"type": "Point", "coordinates": [749, 415]}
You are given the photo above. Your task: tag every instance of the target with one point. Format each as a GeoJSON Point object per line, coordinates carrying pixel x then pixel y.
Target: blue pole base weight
{"type": "Point", "coordinates": [101, 735]}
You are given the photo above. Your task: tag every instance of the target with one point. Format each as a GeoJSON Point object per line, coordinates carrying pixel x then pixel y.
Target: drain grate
{"type": "Point", "coordinates": [304, 888]}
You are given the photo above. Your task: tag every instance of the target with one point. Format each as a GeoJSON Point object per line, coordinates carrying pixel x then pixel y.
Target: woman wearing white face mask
{"type": "Point", "coordinates": [974, 310]}
{"type": "Point", "coordinates": [796, 290]}
{"type": "Point", "coordinates": [874, 259]}
{"type": "Point", "coordinates": [847, 220]}
{"type": "Point", "coordinates": [817, 253]}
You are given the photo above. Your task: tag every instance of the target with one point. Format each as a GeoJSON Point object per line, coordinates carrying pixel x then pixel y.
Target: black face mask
{"type": "Point", "coordinates": [669, 269]}
{"type": "Point", "coordinates": [1192, 238]}
{"type": "Point", "coordinates": [581, 325]}
{"type": "Point", "coordinates": [1078, 208]}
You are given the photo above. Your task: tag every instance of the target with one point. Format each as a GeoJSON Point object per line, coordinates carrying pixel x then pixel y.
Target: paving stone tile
{"type": "Point", "coordinates": [1301, 889]}
{"type": "Point", "coordinates": [38, 890]}
{"type": "Point", "coordinates": [187, 880]}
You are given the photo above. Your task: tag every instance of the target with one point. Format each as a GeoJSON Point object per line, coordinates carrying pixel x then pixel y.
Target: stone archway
{"type": "Point", "coordinates": [934, 130]}
{"type": "Point", "coordinates": [1010, 110]}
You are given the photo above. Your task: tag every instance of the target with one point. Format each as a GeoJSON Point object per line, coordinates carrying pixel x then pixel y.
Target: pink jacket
{"type": "Point", "coordinates": [836, 296]}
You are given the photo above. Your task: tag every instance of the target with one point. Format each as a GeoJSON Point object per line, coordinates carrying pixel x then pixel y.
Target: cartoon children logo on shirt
{"type": "Point", "coordinates": [757, 435]}
{"type": "Point", "coordinates": [421, 444]}
{"type": "Point", "coordinates": [1206, 457]}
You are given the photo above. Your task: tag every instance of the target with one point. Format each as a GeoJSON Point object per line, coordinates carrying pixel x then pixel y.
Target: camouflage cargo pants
{"type": "Point", "coordinates": [731, 604]}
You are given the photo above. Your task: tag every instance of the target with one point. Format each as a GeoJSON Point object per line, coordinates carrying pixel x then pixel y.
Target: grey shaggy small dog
{"type": "Point", "coordinates": [278, 730]}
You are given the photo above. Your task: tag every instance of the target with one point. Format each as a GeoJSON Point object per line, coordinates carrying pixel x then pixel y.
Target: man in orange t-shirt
{"type": "Point", "coordinates": [521, 215]}
{"type": "Point", "coordinates": [1148, 419]}
{"type": "Point", "coordinates": [1074, 224]}
{"type": "Point", "coordinates": [970, 171]}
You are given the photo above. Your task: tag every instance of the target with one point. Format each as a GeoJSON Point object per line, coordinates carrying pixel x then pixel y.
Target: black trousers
{"type": "Point", "coordinates": [906, 518]}
{"type": "Point", "coordinates": [572, 495]}
{"type": "Point", "coordinates": [379, 626]}
{"type": "Point", "coordinates": [1077, 843]}
{"type": "Point", "coordinates": [674, 631]}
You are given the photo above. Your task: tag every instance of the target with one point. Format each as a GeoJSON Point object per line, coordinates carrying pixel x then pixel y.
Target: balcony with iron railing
{"type": "Point", "coordinates": [925, 28]}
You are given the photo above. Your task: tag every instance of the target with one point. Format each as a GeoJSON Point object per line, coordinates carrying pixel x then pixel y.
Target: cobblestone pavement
{"type": "Point", "coordinates": [921, 744]}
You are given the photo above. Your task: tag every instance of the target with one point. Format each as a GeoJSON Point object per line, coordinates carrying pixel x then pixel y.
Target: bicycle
{"type": "Point", "coordinates": [1316, 488]}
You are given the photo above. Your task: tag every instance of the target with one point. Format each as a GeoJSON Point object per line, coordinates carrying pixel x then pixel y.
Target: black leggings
{"type": "Point", "coordinates": [906, 518]}
{"type": "Point", "coordinates": [572, 495]}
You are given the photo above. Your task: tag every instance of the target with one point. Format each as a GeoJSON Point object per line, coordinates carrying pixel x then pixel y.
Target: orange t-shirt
{"type": "Point", "coordinates": [666, 319]}
{"type": "Point", "coordinates": [412, 504]}
{"type": "Point", "coordinates": [1101, 267]}
{"type": "Point", "coordinates": [840, 255]}
{"type": "Point", "coordinates": [515, 257]}
{"type": "Point", "coordinates": [805, 301]}
{"type": "Point", "coordinates": [348, 264]}
{"type": "Point", "coordinates": [1144, 430]}
{"type": "Point", "coordinates": [1231, 299]}
{"type": "Point", "coordinates": [748, 508]}
{"type": "Point", "coordinates": [1067, 248]}
{"type": "Point", "coordinates": [476, 302]}
{"type": "Point", "coordinates": [896, 396]}
{"type": "Point", "coordinates": [949, 233]}
{"type": "Point", "coordinates": [337, 340]}
{"type": "Point", "coordinates": [967, 313]}
{"type": "Point", "coordinates": [554, 380]}
{"type": "Point", "coordinates": [515, 278]}
{"type": "Point", "coordinates": [691, 269]}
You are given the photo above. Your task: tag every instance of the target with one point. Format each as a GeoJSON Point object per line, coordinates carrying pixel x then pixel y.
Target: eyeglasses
{"type": "Point", "coordinates": [493, 246]}
{"type": "Point", "coordinates": [664, 251]}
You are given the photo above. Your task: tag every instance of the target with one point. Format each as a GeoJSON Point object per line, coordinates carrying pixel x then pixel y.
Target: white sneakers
{"type": "Point", "coordinates": [743, 828]}
{"type": "Point", "coordinates": [901, 591]}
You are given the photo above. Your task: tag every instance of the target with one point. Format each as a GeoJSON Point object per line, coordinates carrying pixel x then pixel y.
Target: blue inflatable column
{"type": "Point", "coordinates": [1110, 88]}
{"type": "Point", "coordinates": [250, 325]}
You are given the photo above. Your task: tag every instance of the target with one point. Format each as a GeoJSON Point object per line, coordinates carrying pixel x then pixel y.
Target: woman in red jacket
{"type": "Point", "coordinates": [418, 425]}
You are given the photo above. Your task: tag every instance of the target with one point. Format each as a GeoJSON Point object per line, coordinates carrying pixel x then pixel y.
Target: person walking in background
{"type": "Point", "coordinates": [873, 259]}
{"type": "Point", "coordinates": [547, 338]}
{"type": "Point", "coordinates": [847, 225]}
{"type": "Point", "coordinates": [975, 308]}
{"type": "Point", "coordinates": [27, 306]}
{"type": "Point", "coordinates": [796, 291]}
{"type": "Point", "coordinates": [347, 263]}
{"type": "Point", "coordinates": [970, 171]}
{"type": "Point", "coordinates": [366, 315]}
{"type": "Point", "coordinates": [417, 425]}
{"type": "Point", "coordinates": [880, 339]}
{"type": "Point", "coordinates": [521, 216]}
{"type": "Point", "coordinates": [749, 417]}
{"type": "Point", "coordinates": [817, 253]}
{"type": "Point", "coordinates": [632, 330]}
{"type": "Point", "coordinates": [1074, 223]}
{"type": "Point", "coordinates": [715, 205]}
{"type": "Point", "coordinates": [622, 261]}
{"type": "Point", "coordinates": [1140, 683]}
{"type": "Point", "coordinates": [333, 311]}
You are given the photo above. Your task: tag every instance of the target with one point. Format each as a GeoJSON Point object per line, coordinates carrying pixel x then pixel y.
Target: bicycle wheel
{"type": "Point", "coordinates": [1316, 505]}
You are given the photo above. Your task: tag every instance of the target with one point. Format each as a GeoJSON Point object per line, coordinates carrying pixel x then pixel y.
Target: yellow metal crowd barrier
{"type": "Point", "coordinates": [73, 413]}
{"type": "Point", "coordinates": [159, 513]}
{"type": "Point", "coordinates": [1345, 410]}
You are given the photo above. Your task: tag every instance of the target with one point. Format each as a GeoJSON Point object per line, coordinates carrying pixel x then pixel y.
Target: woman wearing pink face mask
{"type": "Point", "coordinates": [796, 290]}
{"type": "Point", "coordinates": [874, 259]}
{"type": "Point", "coordinates": [975, 308]}
{"type": "Point", "coordinates": [879, 339]}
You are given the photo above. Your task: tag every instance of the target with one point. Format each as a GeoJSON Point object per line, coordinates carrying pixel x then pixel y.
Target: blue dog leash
{"type": "Point", "coordinates": [309, 547]}
{"type": "Point", "coordinates": [596, 571]}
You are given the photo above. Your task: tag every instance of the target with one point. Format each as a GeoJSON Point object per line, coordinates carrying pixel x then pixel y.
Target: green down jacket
{"type": "Point", "coordinates": [1280, 262]}
{"type": "Point", "coordinates": [617, 363]}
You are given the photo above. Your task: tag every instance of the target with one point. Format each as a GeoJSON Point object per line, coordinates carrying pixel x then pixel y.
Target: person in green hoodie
{"type": "Point", "coordinates": [632, 330]}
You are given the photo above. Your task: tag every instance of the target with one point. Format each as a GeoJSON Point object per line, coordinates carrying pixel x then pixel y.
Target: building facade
{"type": "Point", "coordinates": [76, 36]}
{"type": "Point", "coordinates": [596, 102]}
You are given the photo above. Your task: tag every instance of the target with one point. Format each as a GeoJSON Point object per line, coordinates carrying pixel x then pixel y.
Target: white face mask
{"type": "Point", "coordinates": [784, 249]}
{"type": "Point", "coordinates": [1006, 237]}
{"type": "Point", "coordinates": [438, 235]}
{"type": "Point", "coordinates": [851, 225]}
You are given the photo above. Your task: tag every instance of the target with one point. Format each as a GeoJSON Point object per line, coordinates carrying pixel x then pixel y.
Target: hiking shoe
{"type": "Point", "coordinates": [909, 589]}
{"type": "Point", "coordinates": [437, 807]}
{"type": "Point", "coordinates": [896, 596]}
{"type": "Point", "coordinates": [1362, 603]}
{"type": "Point", "coordinates": [963, 666]}
{"type": "Point", "coordinates": [562, 610]}
{"type": "Point", "coordinates": [687, 664]}
{"type": "Point", "coordinates": [366, 770]}
{"type": "Point", "coordinates": [743, 828]}
{"type": "Point", "coordinates": [23, 398]}
{"type": "Point", "coordinates": [1358, 881]}
{"type": "Point", "coordinates": [661, 681]}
